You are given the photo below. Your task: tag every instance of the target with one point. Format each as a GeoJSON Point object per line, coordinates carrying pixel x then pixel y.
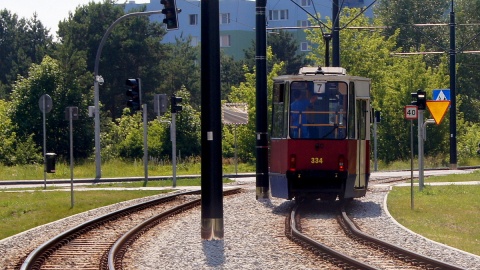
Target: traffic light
{"type": "Point", "coordinates": [414, 98]}
{"type": "Point", "coordinates": [421, 100]}
{"type": "Point", "coordinates": [134, 94]}
{"type": "Point", "coordinates": [175, 101]}
{"type": "Point", "coordinates": [160, 104]}
{"type": "Point", "coordinates": [171, 15]}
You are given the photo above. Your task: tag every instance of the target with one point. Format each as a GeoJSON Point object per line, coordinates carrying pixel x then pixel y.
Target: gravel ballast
{"type": "Point", "coordinates": [254, 237]}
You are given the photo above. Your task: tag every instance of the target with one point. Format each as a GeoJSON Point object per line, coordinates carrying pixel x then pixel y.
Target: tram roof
{"type": "Point", "coordinates": [320, 73]}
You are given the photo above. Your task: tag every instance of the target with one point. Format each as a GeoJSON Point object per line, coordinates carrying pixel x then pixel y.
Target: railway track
{"type": "Point", "coordinates": [101, 242]}
{"type": "Point", "coordinates": [334, 237]}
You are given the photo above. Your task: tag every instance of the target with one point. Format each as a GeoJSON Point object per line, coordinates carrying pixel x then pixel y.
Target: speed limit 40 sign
{"type": "Point", "coordinates": [411, 112]}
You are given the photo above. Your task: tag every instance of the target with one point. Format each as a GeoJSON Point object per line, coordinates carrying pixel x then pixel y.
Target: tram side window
{"type": "Point", "coordinates": [351, 112]}
{"type": "Point", "coordinates": [362, 119]}
{"type": "Point", "coordinates": [278, 111]}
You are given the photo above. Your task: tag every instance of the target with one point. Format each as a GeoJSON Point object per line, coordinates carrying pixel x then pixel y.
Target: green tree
{"type": "Point", "coordinates": [231, 74]}
{"type": "Point", "coordinates": [22, 42]}
{"type": "Point", "coordinates": [15, 149]}
{"type": "Point", "coordinates": [369, 54]}
{"type": "Point", "coordinates": [404, 14]}
{"type": "Point", "coordinates": [65, 90]}
{"type": "Point", "coordinates": [180, 67]}
{"type": "Point", "coordinates": [467, 63]}
{"type": "Point", "coordinates": [188, 128]}
{"type": "Point", "coordinates": [246, 93]}
{"type": "Point", "coordinates": [284, 49]}
{"type": "Point", "coordinates": [132, 50]}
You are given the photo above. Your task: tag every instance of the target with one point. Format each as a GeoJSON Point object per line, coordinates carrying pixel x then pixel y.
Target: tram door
{"type": "Point", "coordinates": [362, 112]}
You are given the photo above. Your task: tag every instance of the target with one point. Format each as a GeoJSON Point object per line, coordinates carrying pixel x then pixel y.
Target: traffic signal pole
{"type": "Point", "coordinates": [420, 150]}
{"type": "Point", "coordinates": [98, 80]}
{"type": "Point", "coordinates": [173, 138]}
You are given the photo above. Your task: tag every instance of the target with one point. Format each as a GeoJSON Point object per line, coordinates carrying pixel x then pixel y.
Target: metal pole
{"type": "Point", "coordinates": [235, 135]}
{"type": "Point", "coordinates": [336, 34]}
{"type": "Point", "coordinates": [375, 143]}
{"type": "Point", "coordinates": [70, 117]}
{"type": "Point", "coordinates": [411, 164]}
{"type": "Point", "coordinates": [44, 145]}
{"type": "Point", "coordinates": [212, 226]}
{"type": "Point", "coordinates": [98, 171]}
{"type": "Point", "coordinates": [145, 144]}
{"type": "Point", "coordinates": [420, 149]}
{"type": "Point", "coordinates": [453, 100]}
{"type": "Point", "coordinates": [173, 137]}
{"type": "Point", "coordinates": [262, 181]}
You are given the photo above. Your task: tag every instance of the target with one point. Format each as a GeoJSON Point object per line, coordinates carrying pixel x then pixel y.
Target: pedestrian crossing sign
{"type": "Point", "coordinates": [441, 94]}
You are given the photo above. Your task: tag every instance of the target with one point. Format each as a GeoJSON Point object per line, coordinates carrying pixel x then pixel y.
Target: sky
{"type": "Point", "coordinates": [49, 12]}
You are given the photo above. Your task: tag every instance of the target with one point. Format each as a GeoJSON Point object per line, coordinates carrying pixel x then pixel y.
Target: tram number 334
{"type": "Point", "coordinates": [316, 160]}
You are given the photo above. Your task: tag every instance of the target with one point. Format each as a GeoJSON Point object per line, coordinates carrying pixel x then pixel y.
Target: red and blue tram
{"type": "Point", "coordinates": [320, 135]}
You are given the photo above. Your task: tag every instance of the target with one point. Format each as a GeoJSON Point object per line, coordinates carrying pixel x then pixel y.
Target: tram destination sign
{"type": "Point", "coordinates": [411, 112]}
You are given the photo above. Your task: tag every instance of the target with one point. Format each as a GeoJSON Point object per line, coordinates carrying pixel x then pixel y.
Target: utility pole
{"type": "Point", "coordinates": [453, 99]}
{"type": "Point", "coordinates": [335, 34]}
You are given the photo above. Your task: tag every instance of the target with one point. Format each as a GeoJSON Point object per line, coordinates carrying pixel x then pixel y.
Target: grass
{"type": "Point", "coordinates": [429, 163]}
{"type": "Point", "coordinates": [474, 176]}
{"type": "Point", "coordinates": [20, 211]}
{"type": "Point", "coordinates": [446, 214]}
{"type": "Point", "coordinates": [114, 168]}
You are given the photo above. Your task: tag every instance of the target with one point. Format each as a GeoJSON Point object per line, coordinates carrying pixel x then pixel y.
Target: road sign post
{"type": "Point", "coordinates": [71, 113]}
{"type": "Point", "coordinates": [45, 104]}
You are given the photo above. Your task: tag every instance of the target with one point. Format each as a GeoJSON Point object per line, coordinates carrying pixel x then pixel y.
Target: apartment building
{"type": "Point", "coordinates": [237, 20]}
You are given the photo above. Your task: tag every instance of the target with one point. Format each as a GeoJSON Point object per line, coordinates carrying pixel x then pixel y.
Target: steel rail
{"type": "Point", "coordinates": [351, 228]}
{"type": "Point", "coordinates": [293, 233]}
{"type": "Point", "coordinates": [36, 258]}
{"type": "Point", "coordinates": [118, 250]}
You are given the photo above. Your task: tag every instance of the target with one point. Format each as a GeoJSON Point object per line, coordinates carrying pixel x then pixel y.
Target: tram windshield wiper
{"type": "Point", "coordinates": [335, 126]}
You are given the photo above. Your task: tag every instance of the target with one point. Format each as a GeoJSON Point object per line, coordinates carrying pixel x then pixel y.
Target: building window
{"type": "Point", "coordinates": [278, 15]}
{"type": "Point", "coordinates": [225, 41]}
{"type": "Point", "coordinates": [354, 3]}
{"type": "Point", "coordinates": [304, 47]}
{"type": "Point", "coordinates": [305, 3]}
{"type": "Point", "coordinates": [224, 18]}
{"type": "Point", "coordinates": [305, 23]}
{"type": "Point", "coordinates": [193, 19]}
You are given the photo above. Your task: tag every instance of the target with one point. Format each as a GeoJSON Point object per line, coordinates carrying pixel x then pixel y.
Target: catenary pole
{"type": "Point", "coordinates": [335, 34]}
{"type": "Point", "coordinates": [453, 99]}
{"type": "Point", "coordinates": [211, 137]}
{"type": "Point", "coordinates": [262, 184]}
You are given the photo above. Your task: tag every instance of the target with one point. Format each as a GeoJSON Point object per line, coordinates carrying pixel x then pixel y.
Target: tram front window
{"type": "Point", "coordinates": [318, 115]}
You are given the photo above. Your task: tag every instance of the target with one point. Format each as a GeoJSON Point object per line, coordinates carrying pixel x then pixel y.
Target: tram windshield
{"type": "Point", "coordinates": [318, 110]}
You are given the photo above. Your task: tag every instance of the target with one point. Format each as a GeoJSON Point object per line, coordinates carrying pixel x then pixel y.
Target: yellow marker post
{"type": "Point", "coordinates": [438, 108]}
